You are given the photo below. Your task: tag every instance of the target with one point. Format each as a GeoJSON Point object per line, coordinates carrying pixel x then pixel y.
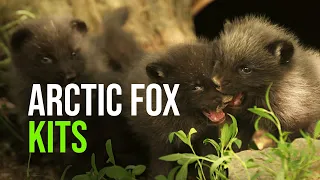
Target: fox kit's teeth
{"type": "Point", "coordinates": [221, 107]}
{"type": "Point", "coordinates": [227, 99]}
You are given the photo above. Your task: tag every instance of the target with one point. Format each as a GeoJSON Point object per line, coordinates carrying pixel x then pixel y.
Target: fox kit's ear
{"type": "Point", "coordinates": [79, 26]}
{"type": "Point", "coordinates": [283, 49]}
{"type": "Point", "coordinates": [19, 37]}
{"type": "Point", "coordinates": [117, 17]}
{"type": "Point", "coordinates": [158, 71]}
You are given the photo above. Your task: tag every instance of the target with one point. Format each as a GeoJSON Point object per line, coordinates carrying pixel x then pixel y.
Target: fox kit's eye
{"type": "Point", "coordinates": [197, 88]}
{"type": "Point", "coordinates": [245, 70]}
{"type": "Point", "coordinates": [46, 60]}
{"type": "Point", "coordinates": [75, 53]}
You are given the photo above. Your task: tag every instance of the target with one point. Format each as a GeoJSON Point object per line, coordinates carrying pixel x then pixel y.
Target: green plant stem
{"type": "Point", "coordinates": [206, 159]}
{"type": "Point", "coordinates": [285, 165]}
{"type": "Point", "coordinates": [9, 25]}
{"type": "Point", "coordinates": [206, 165]}
{"type": "Point", "coordinates": [26, 13]}
{"type": "Point", "coordinates": [11, 129]}
{"type": "Point", "coordinates": [28, 168]}
{"type": "Point", "coordinates": [5, 64]}
{"type": "Point", "coordinates": [65, 172]}
{"type": "Point", "coordinates": [200, 165]}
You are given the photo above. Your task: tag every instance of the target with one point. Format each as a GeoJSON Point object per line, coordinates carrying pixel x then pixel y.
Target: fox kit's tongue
{"type": "Point", "coordinates": [218, 116]}
{"type": "Point", "coordinates": [215, 117]}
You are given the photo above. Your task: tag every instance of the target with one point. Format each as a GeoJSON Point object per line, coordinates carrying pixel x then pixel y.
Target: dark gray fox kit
{"type": "Point", "coordinates": [251, 53]}
{"type": "Point", "coordinates": [199, 103]}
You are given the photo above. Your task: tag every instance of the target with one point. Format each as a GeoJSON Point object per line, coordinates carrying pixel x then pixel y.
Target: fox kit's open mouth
{"type": "Point", "coordinates": [214, 116]}
{"type": "Point", "coordinates": [217, 116]}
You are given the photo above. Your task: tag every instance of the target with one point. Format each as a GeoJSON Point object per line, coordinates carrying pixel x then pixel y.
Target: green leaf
{"type": "Point", "coordinates": [261, 112]}
{"type": "Point", "coordinates": [115, 172]}
{"type": "Point", "coordinates": [82, 177]}
{"type": "Point", "coordinates": [93, 163]}
{"type": "Point", "coordinates": [316, 133]}
{"type": "Point", "coordinates": [217, 163]}
{"type": "Point", "coordinates": [130, 167]}
{"type": "Point", "coordinates": [109, 152]}
{"type": "Point", "coordinates": [285, 135]}
{"type": "Point", "coordinates": [212, 157]}
{"type": "Point", "coordinates": [94, 176]}
{"type": "Point", "coordinates": [279, 154]}
{"type": "Point", "coordinates": [102, 173]}
{"type": "Point", "coordinates": [233, 126]}
{"type": "Point", "coordinates": [127, 178]}
{"type": "Point", "coordinates": [182, 136]}
{"type": "Point", "coordinates": [238, 142]}
{"type": "Point", "coordinates": [214, 144]}
{"type": "Point", "coordinates": [192, 131]}
{"type": "Point", "coordinates": [190, 160]}
{"type": "Point", "coordinates": [172, 157]}
{"type": "Point", "coordinates": [225, 135]}
{"type": "Point", "coordinates": [304, 134]}
{"type": "Point", "coordinates": [177, 156]}
{"type": "Point", "coordinates": [160, 177]}
{"type": "Point", "coordinates": [138, 170]}
{"type": "Point", "coordinates": [171, 136]}
{"type": "Point", "coordinates": [172, 173]}
{"type": "Point", "coordinates": [65, 172]}
{"type": "Point", "coordinates": [183, 172]}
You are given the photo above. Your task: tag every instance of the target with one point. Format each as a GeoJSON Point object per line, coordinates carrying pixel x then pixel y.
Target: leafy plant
{"type": "Point", "coordinates": [23, 15]}
{"type": "Point", "coordinates": [114, 171]}
{"type": "Point", "coordinates": [5, 32]}
{"type": "Point", "coordinates": [295, 164]}
{"type": "Point", "coordinates": [217, 163]}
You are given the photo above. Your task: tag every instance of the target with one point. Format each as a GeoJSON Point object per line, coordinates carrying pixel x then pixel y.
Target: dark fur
{"type": "Point", "coordinates": [117, 45]}
{"type": "Point", "coordinates": [274, 55]}
{"type": "Point", "coordinates": [118, 52]}
{"type": "Point", "coordinates": [189, 65]}
{"type": "Point", "coordinates": [58, 39]}
{"type": "Point", "coordinates": [47, 51]}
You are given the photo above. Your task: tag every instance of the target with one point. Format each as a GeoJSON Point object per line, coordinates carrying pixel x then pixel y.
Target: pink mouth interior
{"type": "Point", "coordinates": [236, 101]}
{"type": "Point", "coordinates": [215, 117]}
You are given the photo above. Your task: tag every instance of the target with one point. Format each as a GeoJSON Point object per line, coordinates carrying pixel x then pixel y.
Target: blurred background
{"type": "Point", "coordinates": [157, 24]}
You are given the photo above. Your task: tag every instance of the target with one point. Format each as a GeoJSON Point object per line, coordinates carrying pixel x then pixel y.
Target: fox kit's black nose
{"type": "Point", "coordinates": [71, 77]}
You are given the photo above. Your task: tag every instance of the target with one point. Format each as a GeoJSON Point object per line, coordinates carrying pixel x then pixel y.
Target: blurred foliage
{"type": "Point", "coordinates": [5, 32]}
